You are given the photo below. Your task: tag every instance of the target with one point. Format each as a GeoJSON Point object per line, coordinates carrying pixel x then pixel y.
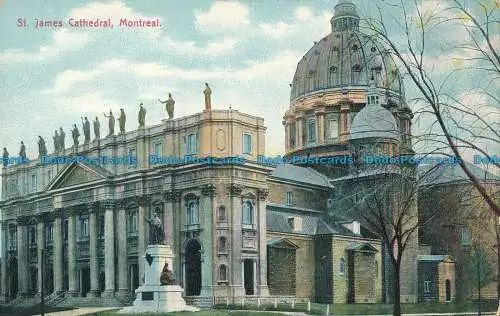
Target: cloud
{"type": "Point", "coordinates": [306, 24]}
{"type": "Point", "coordinates": [223, 15]}
{"type": "Point", "coordinates": [212, 48]}
{"type": "Point", "coordinates": [63, 40]}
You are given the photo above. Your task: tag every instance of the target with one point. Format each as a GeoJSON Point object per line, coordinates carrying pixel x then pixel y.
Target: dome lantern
{"type": "Point", "coordinates": [346, 17]}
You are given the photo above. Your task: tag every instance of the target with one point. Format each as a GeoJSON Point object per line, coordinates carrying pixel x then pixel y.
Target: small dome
{"type": "Point", "coordinates": [374, 121]}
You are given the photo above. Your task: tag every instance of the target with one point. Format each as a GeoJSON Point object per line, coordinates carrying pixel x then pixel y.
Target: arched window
{"type": "Point", "coordinates": [222, 244]}
{"type": "Point", "coordinates": [192, 213]}
{"type": "Point", "coordinates": [247, 216]}
{"type": "Point", "coordinates": [222, 272]}
{"type": "Point", "coordinates": [221, 214]}
{"type": "Point", "coordinates": [342, 266]}
{"type": "Point", "coordinates": [132, 222]}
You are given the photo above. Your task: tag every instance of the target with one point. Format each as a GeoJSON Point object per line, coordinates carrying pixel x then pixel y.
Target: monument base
{"type": "Point", "coordinates": [152, 296]}
{"type": "Point", "coordinates": [159, 299]}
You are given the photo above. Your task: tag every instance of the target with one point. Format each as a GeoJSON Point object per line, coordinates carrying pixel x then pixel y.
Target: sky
{"type": "Point", "coordinates": [246, 50]}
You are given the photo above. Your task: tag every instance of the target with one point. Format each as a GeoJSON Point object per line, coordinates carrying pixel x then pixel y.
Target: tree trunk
{"type": "Point", "coordinates": [396, 311]}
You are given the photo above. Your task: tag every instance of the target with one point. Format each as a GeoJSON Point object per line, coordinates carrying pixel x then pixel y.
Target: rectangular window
{"type": "Point", "coordinates": [289, 198]}
{"type": "Point", "coordinates": [427, 286]}
{"type": "Point", "coordinates": [101, 226]}
{"type": "Point", "coordinates": [192, 144]}
{"type": "Point", "coordinates": [49, 175]}
{"type": "Point", "coordinates": [32, 233]}
{"type": "Point", "coordinates": [84, 227]}
{"type": "Point", "coordinates": [158, 149]}
{"type": "Point", "coordinates": [65, 229]}
{"type": "Point", "coordinates": [49, 233]}
{"type": "Point", "coordinates": [311, 131]}
{"type": "Point", "coordinates": [333, 129]}
{"type": "Point", "coordinates": [247, 144]}
{"type": "Point", "coordinates": [33, 182]}
{"type": "Point", "coordinates": [465, 236]}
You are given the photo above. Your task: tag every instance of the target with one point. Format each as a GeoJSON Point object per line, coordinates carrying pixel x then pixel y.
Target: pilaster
{"type": "Point", "coordinates": [236, 242]}
{"type": "Point", "coordinates": [72, 280]}
{"type": "Point", "coordinates": [320, 117]}
{"type": "Point", "coordinates": [3, 240]}
{"type": "Point", "coordinates": [263, 289]}
{"type": "Point", "coordinates": [121, 237]}
{"type": "Point", "coordinates": [206, 212]}
{"type": "Point", "coordinates": [40, 244]}
{"type": "Point", "coordinates": [299, 139]}
{"type": "Point", "coordinates": [94, 263]}
{"type": "Point", "coordinates": [144, 203]}
{"type": "Point", "coordinates": [345, 122]}
{"type": "Point", "coordinates": [58, 252]}
{"type": "Point", "coordinates": [22, 257]}
{"type": "Point", "coordinates": [109, 248]}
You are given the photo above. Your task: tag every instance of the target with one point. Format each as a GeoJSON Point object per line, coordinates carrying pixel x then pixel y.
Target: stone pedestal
{"type": "Point", "coordinates": [152, 296]}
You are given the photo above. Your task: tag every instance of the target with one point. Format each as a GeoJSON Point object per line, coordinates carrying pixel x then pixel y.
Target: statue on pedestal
{"type": "Point", "coordinates": [22, 151]}
{"type": "Point", "coordinates": [208, 93]}
{"type": "Point", "coordinates": [167, 277]}
{"type": "Point", "coordinates": [142, 116]}
{"type": "Point", "coordinates": [111, 123]}
{"type": "Point", "coordinates": [169, 105]}
{"type": "Point", "coordinates": [56, 142]}
{"type": "Point", "coordinates": [97, 128]}
{"type": "Point", "coordinates": [86, 130]}
{"type": "Point", "coordinates": [75, 133]}
{"type": "Point", "coordinates": [42, 149]}
{"type": "Point", "coordinates": [5, 157]}
{"type": "Point", "coordinates": [62, 137]}
{"type": "Point", "coordinates": [122, 119]}
{"type": "Point", "coordinates": [156, 233]}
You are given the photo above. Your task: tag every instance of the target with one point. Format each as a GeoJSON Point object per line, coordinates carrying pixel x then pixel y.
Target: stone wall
{"type": "Point", "coordinates": [446, 271]}
{"type": "Point", "coordinates": [302, 197]}
{"type": "Point", "coordinates": [364, 277]}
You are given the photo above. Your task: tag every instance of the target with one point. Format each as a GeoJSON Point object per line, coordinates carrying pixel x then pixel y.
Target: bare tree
{"type": "Point", "coordinates": [460, 126]}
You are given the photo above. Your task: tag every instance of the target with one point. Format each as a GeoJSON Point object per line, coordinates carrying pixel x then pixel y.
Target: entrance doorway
{"type": "Point", "coordinates": [102, 281]}
{"type": "Point", "coordinates": [85, 281]}
{"type": "Point", "coordinates": [249, 276]}
{"type": "Point", "coordinates": [12, 275]}
{"type": "Point", "coordinates": [448, 290]}
{"type": "Point", "coordinates": [193, 268]}
{"type": "Point", "coordinates": [134, 277]}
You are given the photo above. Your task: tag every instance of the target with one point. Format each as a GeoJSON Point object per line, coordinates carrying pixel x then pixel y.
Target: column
{"type": "Point", "coordinates": [40, 244]}
{"type": "Point", "coordinates": [320, 118]}
{"type": "Point", "coordinates": [141, 245]}
{"type": "Point", "coordinates": [109, 249]}
{"type": "Point", "coordinates": [121, 235]}
{"type": "Point", "coordinates": [58, 252]}
{"type": "Point", "coordinates": [206, 212]}
{"type": "Point", "coordinates": [94, 261]}
{"type": "Point", "coordinates": [287, 135]}
{"type": "Point", "coordinates": [262, 266]}
{"type": "Point", "coordinates": [345, 122]}
{"type": "Point", "coordinates": [236, 242]}
{"type": "Point", "coordinates": [72, 280]}
{"type": "Point", "coordinates": [168, 217]}
{"type": "Point", "coordinates": [299, 139]}
{"type": "Point", "coordinates": [22, 258]}
{"type": "Point", "coordinates": [3, 240]}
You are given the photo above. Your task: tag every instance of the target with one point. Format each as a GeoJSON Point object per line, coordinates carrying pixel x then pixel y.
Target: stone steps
{"type": "Point", "coordinates": [200, 302]}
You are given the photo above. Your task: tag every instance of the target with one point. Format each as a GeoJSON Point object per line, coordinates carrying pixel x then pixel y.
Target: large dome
{"type": "Point", "coordinates": [345, 58]}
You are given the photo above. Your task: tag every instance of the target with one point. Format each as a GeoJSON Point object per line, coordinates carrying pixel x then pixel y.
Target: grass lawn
{"type": "Point", "coordinates": [9, 310]}
{"type": "Point", "coordinates": [202, 313]}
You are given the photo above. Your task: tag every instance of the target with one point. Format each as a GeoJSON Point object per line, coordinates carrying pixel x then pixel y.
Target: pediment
{"type": "Point", "coordinates": [75, 174]}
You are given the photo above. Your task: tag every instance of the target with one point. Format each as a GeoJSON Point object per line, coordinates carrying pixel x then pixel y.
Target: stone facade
{"type": "Point", "coordinates": [76, 211]}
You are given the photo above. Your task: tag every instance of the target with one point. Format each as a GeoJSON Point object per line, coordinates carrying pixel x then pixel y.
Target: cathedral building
{"type": "Point", "coordinates": [239, 228]}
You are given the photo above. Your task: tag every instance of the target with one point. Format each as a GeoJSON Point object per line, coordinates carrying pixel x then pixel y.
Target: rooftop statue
{"type": "Point", "coordinates": [208, 93]}
{"type": "Point", "coordinates": [5, 157]}
{"type": "Point", "coordinates": [122, 119]}
{"type": "Point", "coordinates": [75, 133]}
{"type": "Point", "coordinates": [86, 130]}
{"type": "Point", "coordinates": [111, 123]}
{"type": "Point", "coordinates": [56, 142]}
{"type": "Point", "coordinates": [169, 105]}
{"type": "Point", "coordinates": [142, 116]}
{"type": "Point", "coordinates": [156, 233]}
{"type": "Point", "coordinates": [62, 137]}
{"type": "Point", "coordinates": [22, 151]}
{"type": "Point", "coordinates": [42, 148]}
{"type": "Point", "coordinates": [97, 128]}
